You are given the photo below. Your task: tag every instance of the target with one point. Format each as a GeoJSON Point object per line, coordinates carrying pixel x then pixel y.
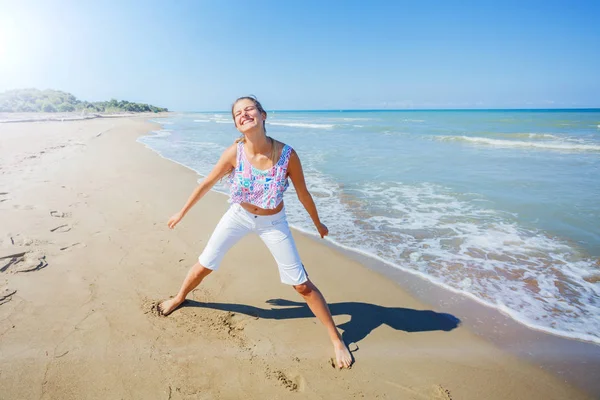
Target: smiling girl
{"type": "Point", "coordinates": [258, 167]}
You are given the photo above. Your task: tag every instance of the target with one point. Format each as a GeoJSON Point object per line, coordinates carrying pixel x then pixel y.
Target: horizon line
{"type": "Point", "coordinates": [587, 109]}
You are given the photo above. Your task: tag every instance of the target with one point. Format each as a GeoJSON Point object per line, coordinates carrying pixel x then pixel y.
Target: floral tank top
{"type": "Point", "coordinates": [260, 188]}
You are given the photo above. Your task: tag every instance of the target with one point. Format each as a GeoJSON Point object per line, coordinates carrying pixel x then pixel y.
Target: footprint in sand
{"type": "Point", "coordinates": [58, 214]}
{"type": "Point", "coordinates": [292, 382]}
{"type": "Point", "coordinates": [150, 306]}
{"type": "Point", "coordinates": [22, 240]}
{"type": "Point", "coordinates": [191, 319]}
{"type": "Point", "coordinates": [26, 261]}
{"type": "Point", "coordinates": [61, 228]}
{"type": "Point", "coordinates": [441, 393]}
{"type": "Point", "coordinates": [6, 295]}
{"type": "Point", "coordinates": [72, 246]}
{"type": "Point", "coordinates": [225, 322]}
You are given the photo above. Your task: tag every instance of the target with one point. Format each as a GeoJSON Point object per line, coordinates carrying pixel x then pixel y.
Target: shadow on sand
{"type": "Point", "coordinates": [364, 317]}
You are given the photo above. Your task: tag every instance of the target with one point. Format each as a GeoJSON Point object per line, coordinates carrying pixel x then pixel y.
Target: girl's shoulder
{"type": "Point", "coordinates": [230, 153]}
{"type": "Point", "coordinates": [283, 146]}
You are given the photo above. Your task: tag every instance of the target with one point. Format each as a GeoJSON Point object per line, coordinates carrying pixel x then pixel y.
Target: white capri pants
{"type": "Point", "coordinates": [272, 229]}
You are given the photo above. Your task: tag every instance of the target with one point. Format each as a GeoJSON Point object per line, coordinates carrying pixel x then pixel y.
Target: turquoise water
{"type": "Point", "coordinates": [502, 206]}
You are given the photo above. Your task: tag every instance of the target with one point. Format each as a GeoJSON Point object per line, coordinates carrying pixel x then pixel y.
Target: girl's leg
{"type": "Point", "coordinates": [230, 229]}
{"type": "Point", "coordinates": [193, 279]}
{"type": "Point", "coordinates": [317, 304]}
{"type": "Point", "coordinates": [276, 235]}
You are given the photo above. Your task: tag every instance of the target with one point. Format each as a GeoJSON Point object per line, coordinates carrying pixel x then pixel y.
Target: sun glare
{"type": "Point", "coordinates": [17, 48]}
{"type": "Point", "coordinates": [3, 40]}
{"type": "Point", "coordinates": [7, 44]}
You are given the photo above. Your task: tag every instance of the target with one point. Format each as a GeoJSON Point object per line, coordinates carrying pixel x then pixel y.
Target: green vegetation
{"type": "Point", "coordinates": [34, 100]}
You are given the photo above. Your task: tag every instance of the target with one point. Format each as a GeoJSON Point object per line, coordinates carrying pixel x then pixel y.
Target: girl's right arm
{"type": "Point", "coordinates": [223, 166]}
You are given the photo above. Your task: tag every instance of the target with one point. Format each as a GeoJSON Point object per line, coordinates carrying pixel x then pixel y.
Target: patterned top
{"type": "Point", "coordinates": [260, 188]}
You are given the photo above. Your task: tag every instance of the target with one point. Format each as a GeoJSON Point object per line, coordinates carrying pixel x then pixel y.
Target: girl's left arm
{"type": "Point", "coordinates": [297, 176]}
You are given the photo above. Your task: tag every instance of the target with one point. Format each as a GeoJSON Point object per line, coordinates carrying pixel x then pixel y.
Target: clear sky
{"type": "Point", "coordinates": [201, 55]}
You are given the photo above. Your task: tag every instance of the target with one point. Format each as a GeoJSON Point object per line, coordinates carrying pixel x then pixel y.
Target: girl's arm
{"type": "Point", "coordinates": [222, 167]}
{"type": "Point", "coordinates": [297, 176]}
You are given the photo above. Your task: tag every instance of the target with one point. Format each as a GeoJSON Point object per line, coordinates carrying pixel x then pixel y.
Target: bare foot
{"type": "Point", "coordinates": [168, 306]}
{"type": "Point", "coordinates": [342, 355]}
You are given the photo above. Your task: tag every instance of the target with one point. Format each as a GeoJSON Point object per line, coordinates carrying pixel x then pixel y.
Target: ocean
{"type": "Point", "coordinates": [502, 206]}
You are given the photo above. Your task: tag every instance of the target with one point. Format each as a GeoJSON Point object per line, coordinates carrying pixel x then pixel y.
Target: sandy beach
{"type": "Point", "coordinates": [85, 255]}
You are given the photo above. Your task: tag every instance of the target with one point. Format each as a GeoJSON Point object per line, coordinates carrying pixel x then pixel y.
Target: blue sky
{"type": "Point", "coordinates": [201, 55]}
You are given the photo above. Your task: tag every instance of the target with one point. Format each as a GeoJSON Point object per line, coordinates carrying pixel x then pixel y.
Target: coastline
{"type": "Point", "coordinates": [577, 361]}
{"type": "Point", "coordinates": [113, 258]}
{"type": "Point", "coordinates": [70, 116]}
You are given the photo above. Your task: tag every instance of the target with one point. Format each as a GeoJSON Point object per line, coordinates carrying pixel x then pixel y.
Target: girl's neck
{"type": "Point", "coordinates": [258, 144]}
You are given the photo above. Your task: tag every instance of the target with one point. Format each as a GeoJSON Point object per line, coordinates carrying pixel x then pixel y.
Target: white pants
{"type": "Point", "coordinates": [272, 229]}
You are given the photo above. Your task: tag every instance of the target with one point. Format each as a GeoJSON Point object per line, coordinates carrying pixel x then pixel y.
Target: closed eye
{"type": "Point", "coordinates": [249, 108]}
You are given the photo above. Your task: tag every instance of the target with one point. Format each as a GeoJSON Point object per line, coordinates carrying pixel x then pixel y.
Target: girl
{"type": "Point", "coordinates": [259, 167]}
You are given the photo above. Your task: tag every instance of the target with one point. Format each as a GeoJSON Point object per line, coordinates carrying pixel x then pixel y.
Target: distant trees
{"type": "Point", "coordinates": [35, 100]}
{"type": "Point", "coordinates": [48, 107]}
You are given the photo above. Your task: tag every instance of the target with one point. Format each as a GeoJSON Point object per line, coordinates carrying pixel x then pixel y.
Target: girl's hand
{"type": "Point", "coordinates": [323, 231]}
{"type": "Point", "coordinates": [174, 220]}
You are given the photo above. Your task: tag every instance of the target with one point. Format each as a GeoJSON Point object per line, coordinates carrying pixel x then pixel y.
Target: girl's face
{"type": "Point", "coordinates": [247, 116]}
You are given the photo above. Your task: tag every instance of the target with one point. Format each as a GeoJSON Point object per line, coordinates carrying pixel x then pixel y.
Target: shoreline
{"type": "Point", "coordinates": [382, 265]}
{"type": "Point", "coordinates": [574, 359]}
{"type": "Point", "coordinates": [89, 214]}
{"type": "Point", "coordinates": [8, 118]}
{"type": "Point", "coordinates": [568, 358]}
